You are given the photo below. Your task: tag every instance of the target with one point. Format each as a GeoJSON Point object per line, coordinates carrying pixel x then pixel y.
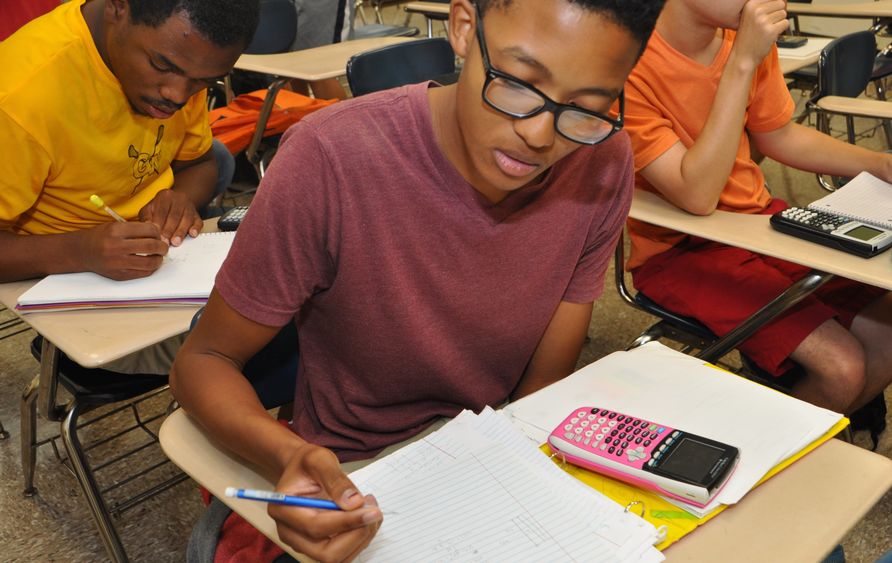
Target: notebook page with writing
{"type": "Point", "coordinates": [438, 479]}
{"type": "Point", "coordinates": [865, 198]}
{"type": "Point", "coordinates": [187, 273]}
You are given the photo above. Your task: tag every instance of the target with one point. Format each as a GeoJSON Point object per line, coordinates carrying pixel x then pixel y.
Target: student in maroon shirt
{"type": "Point", "coordinates": [439, 248]}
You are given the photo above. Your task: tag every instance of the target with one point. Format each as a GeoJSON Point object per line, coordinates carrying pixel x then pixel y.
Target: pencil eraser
{"type": "Point", "coordinates": [97, 201]}
{"type": "Point", "coordinates": [231, 491]}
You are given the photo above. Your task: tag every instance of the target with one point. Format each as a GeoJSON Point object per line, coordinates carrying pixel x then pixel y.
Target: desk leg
{"type": "Point", "coordinates": [251, 152]}
{"type": "Point", "coordinates": [430, 27]}
{"type": "Point", "coordinates": [91, 489]}
{"type": "Point", "coordinates": [793, 295]}
{"type": "Point", "coordinates": [28, 408]}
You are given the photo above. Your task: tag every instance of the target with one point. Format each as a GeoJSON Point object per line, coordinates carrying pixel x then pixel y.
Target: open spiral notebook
{"type": "Point", "coordinates": [865, 198]}
{"type": "Point", "coordinates": [185, 278]}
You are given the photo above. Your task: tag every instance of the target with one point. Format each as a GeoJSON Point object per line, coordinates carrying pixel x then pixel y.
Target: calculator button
{"type": "Point", "coordinates": [603, 446]}
{"type": "Point", "coordinates": [620, 427]}
{"type": "Point", "coordinates": [654, 436]}
{"type": "Point", "coordinates": [622, 435]}
{"type": "Point", "coordinates": [619, 453]}
{"type": "Point", "coordinates": [602, 420]}
{"type": "Point", "coordinates": [608, 440]}
{"type": "Point", "coordinates": [647, 442]}
{"type": "Point", "coordinates": [578, 437]}
{"type": "Point", "coordinates": [611, 423]}
{"type": "Point", "coordinates": [599, 437]}
{"type": "Point", "coordinates": [587, 441]}
{"type": "Point", "coordinates": [611, 449]}
{"type": "Point", "coordinates": [625, 444]}
{"type": "Point", "coordinates": [651, 463]}
{"type": "Point", "coordinates": [652, 427]}
{"type": "Point", "coordinates": [592, 417]}
{"type": "Point", "coordinates": [583, 423]}
{"type": "Point", "coordinates": [614, 432]}
{"type": "Point", "coordinates": [676, 434]}
{"type": "Point", "coordinates": [660, 430]}
{"type": "Point", "coordinates": [568, 426]}
{"type": "Point", "coordinates": [637, 431]}
{"type": "Point", "coordinates": [638, 440]}
{"type": "Point", "coordinates": [580, 414]}
{"type": "Point", "coordinates": [574, 420]}
{"type": "Point", "coordinates": [569, 435]}
{"type": "Point", "coordinates": [589, 433]}
{"type": "Point", "coordinates": [611, 415]}
{"type": "Point", "coordinates": [577, 430]}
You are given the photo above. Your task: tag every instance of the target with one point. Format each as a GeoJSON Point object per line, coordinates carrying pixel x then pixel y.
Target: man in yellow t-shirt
{"type": "Point", "coordinates": [107, 97]}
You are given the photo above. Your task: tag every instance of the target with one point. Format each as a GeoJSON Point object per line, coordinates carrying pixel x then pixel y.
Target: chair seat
{"type": "Point", "coordinates": [96, 386]}
{"type": "Point", "coordinates": [687, 324]}
{"type": "Point", "coordinates": [856, 106]}
{"type": "Point", "coordinates": [383, 30]}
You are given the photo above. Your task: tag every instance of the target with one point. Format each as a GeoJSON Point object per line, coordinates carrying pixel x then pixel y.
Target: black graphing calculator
{"type": "Point", "coordinates": [832, 230]}
{"type": "Point", "coordinates": [231, 219]}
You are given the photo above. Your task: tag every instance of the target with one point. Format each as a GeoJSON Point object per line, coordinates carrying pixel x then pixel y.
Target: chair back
{"type": "Point", "coordinates": [276, 29]}
{"type": "Point", "coordinates": [846, 64]}
{"type": "Point", "coordinates": [399, 64]}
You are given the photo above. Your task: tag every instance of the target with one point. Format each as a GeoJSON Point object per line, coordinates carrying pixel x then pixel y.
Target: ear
{"type": "Point", "coordinates": [462, 25]}
{"type": "Point", "coordinates": [117, 10]}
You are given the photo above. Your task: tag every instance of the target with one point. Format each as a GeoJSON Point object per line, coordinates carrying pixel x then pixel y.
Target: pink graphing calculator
{"type": "Point", "coordinates": [653, 456]}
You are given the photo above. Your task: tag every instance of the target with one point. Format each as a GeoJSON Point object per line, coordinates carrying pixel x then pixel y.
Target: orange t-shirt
{"type": "Point", "coordinates": [668, 99]}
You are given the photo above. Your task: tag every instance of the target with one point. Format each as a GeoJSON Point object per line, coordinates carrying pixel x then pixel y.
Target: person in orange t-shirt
{"type": "Point", "coordinates": [707, 86]}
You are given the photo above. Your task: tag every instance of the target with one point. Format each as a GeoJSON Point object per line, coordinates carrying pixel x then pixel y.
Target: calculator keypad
{"type": "Point", "coordinates": [632, 440]}
{"type": "Point", "coordinates": [815, 219]}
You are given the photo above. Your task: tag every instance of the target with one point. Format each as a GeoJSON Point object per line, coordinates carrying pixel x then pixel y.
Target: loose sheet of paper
{"type": "Point", "coordinates": [659, 384]}
{"type": "Point", "coordinates": [478, 490]}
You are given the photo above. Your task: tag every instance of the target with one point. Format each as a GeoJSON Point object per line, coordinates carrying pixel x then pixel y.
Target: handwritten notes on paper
{"type": "Point", "coordinates": [478, 490]}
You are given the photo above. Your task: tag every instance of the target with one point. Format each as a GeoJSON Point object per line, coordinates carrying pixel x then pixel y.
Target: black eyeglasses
{"type": "Point", "coordinates": [516, 98]}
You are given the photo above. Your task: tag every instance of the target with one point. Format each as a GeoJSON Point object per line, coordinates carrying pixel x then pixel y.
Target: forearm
{"type": "Point", "coordinates": [196, 180]}
{"type": "Point", "coordinates": [32, 256]}
{"type": "Point", "coordinates": [707, 164]}
{"type": "Point", "coordinates": [217, 395]}
{"type": "Point", "coordinates": [807, 149]}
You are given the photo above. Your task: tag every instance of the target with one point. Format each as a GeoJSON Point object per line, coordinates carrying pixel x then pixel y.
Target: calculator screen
{"type": "Point", "coordinates": [863, 232]}
{"type": "Point", "coordinates": [691, 460]}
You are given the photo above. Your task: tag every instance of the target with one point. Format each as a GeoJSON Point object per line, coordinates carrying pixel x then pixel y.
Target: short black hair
{"type": "Point", "coordinates": [223, 22]}
{"type": "Point", "coordinates": [637, 16]}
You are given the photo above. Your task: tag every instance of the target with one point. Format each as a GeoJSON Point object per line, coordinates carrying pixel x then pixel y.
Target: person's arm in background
{"type": "Point", "coordinates": [693, 178]}
{"type": "Point", "coordinates": [808, 149]}
{"type": "Point", "coordinates": [207, 381]}
{"type": "Point", "coordinates": [558, 351]}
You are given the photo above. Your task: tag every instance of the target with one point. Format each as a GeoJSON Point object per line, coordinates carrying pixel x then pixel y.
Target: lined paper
{"type": "Point", "coordinates": [865, 198]}
{"type": "Point", "coordinates": [478, 490]}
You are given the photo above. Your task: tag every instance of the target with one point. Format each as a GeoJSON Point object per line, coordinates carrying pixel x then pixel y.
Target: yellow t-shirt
{"type": "Point", "coordinates": [67, 131]}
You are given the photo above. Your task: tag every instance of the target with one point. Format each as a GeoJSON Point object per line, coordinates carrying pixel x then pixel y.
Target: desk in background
{"type": "Point", "coordinates": [431, 11]}
{"type": "Point", "coordinates": [754, 233]}
{"type": "Point", "coordinates": [91, 338]}
{"type": "Point", "coordinates": [792, 60]}
{"type": "Point", "coordinates": [880, 9]}
{"type": "Point", "coordinates": [318, 63]}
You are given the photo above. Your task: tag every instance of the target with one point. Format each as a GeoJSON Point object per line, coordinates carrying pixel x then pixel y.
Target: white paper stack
{"type": "Point", "coordinates": [479, 490]}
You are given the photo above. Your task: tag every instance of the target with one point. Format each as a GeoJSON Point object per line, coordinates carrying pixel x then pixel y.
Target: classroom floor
{"type": "Point", "coordinates": [55, 524]}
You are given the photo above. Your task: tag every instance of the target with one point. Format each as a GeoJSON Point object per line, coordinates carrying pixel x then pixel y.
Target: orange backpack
{"type": "Point", "coordinates": [234, 124]}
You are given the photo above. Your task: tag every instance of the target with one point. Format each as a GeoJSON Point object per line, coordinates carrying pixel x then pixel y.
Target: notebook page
{"type": "Point", "coordinates": [865, 198]}
{"type": "Point", "coordinates": [188, 271]}
{"type": "Point", "coordinates": [436, 458]}
{"type": "Point", "coordinates": [482, 507]}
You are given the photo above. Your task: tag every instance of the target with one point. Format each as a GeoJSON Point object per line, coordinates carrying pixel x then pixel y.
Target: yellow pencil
{"type": "Point", "coordinates": [97, 201]}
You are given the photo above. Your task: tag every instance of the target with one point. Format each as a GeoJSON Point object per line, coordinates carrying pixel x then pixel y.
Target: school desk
{"type": "Point", "coordinates": [794, 59]}
{"type": "Point", "coordinates": [880, 9]}
{"type": "Point", "coordinates": [431, 11]}
{"type": "Point", "coordinates": [753, 232]}
{"type": "Point", "coordinates": [798, 515]}
{"type": "Point", "coordinates": [91, 338]}
{"type": "Point", "coordinates": [318, 63]}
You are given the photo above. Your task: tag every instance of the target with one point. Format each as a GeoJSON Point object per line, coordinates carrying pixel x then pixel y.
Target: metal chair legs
{"type": "Point", "coordinates": [91, 490]}
{"type": "Point", "coordinates": [28, 408]}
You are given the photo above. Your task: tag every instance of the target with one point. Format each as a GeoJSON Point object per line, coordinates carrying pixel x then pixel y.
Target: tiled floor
{"type": "Point", "coordinates": [55, 525]}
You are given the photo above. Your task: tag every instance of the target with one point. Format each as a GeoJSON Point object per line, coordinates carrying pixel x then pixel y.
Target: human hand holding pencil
{"type": "Point", "coordinates": [120, 250]}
